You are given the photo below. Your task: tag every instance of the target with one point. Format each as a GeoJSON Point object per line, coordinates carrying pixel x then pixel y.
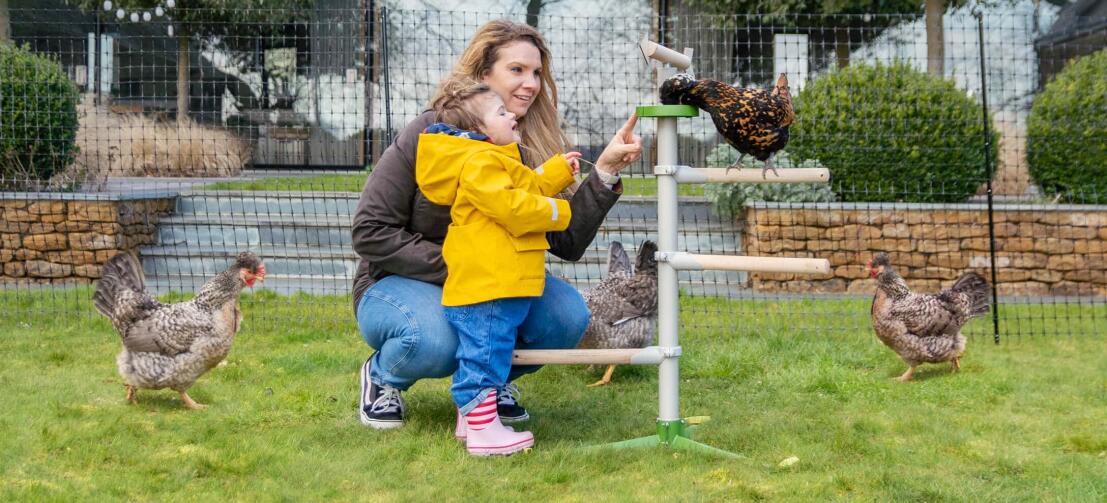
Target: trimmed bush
{"type": "Point", "coordinates": [729, 198]}
{"type": "Point", "coordinates": [1066, 133]}
{"type": "Point", "coordinates": [892, 133]}
{"type": "Point", "coordinates": [38, 117]}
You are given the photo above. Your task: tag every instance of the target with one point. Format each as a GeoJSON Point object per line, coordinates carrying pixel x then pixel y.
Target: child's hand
{"type": "Point", "coordinates": [574, 162]}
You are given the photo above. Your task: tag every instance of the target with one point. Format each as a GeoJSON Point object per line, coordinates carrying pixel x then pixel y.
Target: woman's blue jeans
{"type": "Point", "coordinates": [403, 319]}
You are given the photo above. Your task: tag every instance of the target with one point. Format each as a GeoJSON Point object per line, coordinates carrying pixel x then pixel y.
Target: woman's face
{"type": "Point", "coordinates": [515, 76]}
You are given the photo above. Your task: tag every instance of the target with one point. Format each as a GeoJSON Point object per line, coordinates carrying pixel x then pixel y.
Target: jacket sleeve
{"type": "Point", "coordinates": [554, 175]}
{"type": "Point", "coordinates": [486, 183]}
{"type": "Point", "coordinates": [380, 223]}
{"type": "Point", "coordinates": [589, 205]}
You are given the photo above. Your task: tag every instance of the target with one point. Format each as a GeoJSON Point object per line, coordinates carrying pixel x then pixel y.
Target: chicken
{"type": "Point", "coordinates": [753, 121]}
{"type": "Point", "coordinates": [623, 304]}
{"type": "Point", "coordinates": [924, 328]}
{"type": "Point", "coordinates": [171, 345]}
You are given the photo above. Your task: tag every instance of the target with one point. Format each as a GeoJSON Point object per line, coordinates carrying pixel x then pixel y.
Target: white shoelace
{"type": "Point", "coordinates": [507, 395]}
{"type": "Point", "coordinates": [388, 401]}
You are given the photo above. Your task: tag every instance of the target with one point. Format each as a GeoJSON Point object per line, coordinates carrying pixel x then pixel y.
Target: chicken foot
{"type": "Point", "coordinates": [606, 377]}
{"type": "Point", "coordinates": [769, 167]}
{"type": "Point", "coordinates": [132, 394]}
{"type": "Point", "coordinates": [737, 164]}
{"type": "Point", "coordinates": [907, 375]}
{"type": "Point", "coordinates": [189, 402]}
{"type": "Point", "coordinates": [956, 364]}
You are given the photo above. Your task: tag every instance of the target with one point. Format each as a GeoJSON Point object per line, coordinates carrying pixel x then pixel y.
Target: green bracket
{"type": "Point", "coordinates": [667, 111]}
{"type": "Point", "coordinates": [672, 434]}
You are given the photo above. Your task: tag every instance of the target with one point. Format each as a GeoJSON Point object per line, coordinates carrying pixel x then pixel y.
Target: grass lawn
{"type": "Point", "coordinates": [1023, 421]}
{"type": "Point", "coordinates": [354, 182]}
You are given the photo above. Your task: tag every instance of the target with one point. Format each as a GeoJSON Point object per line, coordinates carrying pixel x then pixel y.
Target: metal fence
{"type": "Point", "coordinates": [951, 167]}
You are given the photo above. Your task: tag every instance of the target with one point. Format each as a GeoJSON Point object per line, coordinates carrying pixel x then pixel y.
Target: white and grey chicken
{"type": "Point", "coordinates": [172, 345]}
{"type": "Point", "coordinates": [623, 304]}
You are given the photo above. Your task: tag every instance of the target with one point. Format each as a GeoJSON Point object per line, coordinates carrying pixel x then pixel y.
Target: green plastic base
{"type": "Point", "coordinates": [667, 111]}
{"type": "Point", "coordinates": [671, 434]}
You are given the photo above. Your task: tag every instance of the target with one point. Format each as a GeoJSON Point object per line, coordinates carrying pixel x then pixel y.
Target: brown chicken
{"type": "Point", "coordinates": [924, 328]}
{"type": "Point", "coordinates": [623, 305]}
{"type": "Point", "coordinates": [753, 121]}
{"type": "Point", "coordinates": [172, 345]}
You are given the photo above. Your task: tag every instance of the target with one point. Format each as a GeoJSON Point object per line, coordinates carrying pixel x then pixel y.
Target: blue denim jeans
{"type": "Point", "coordinates": [486, 334]}
{"type": "Point", "coordinates": [403, 319]}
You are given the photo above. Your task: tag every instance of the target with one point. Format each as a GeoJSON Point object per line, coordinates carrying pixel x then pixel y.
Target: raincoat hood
{"type": "Point", "coordinates": [442, 153]}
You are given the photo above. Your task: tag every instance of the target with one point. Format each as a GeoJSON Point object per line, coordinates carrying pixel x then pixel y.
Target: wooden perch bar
{"type": "Point", "coordinates": [651, 355]}
{"type": "Point", "coordinates": [665, 54]}
{"type": "Point", "coordinates": [688, 174]}
{"type": "Point", "coordinates": [682, 261]}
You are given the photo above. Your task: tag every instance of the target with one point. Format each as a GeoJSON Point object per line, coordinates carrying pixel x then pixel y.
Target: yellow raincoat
{"type": "Point", "coordinates": [500, 209]}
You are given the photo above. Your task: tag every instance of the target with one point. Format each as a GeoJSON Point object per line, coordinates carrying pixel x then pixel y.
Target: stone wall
{"type": "Point", "coordinates": [67, 238]}
{"type": "Point", "coordinates": [1056, 250]}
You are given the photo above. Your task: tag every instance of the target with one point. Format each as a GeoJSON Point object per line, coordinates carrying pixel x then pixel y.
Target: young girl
{"type": "Point", "coordinates": [495, 246]}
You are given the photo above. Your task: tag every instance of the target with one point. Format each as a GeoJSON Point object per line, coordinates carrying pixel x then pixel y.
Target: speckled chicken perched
{"type": "Point", "coordinates": [171, 345]}
{"type": "Point", "coordinates": [623, 304]}
{"type": "Point", "coordinates": [753, 121]}
{"type": "Point", "coordinates": [924, 328]}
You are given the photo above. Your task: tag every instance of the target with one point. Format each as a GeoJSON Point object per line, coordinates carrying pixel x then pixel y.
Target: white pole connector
{"type": "Point", "coordinates": [665, 54]}
{"type": "Point", "coordinates": [682, 261]}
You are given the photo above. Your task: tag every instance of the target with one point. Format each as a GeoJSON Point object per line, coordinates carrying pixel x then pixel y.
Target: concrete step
{"type": "Point", "coordinates": [267, 203]}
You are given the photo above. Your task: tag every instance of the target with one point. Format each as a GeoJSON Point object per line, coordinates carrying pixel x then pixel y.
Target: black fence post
{"type": "Point", "coordinates": [987, 145]}
{"type": "Point", "coordinates": [387, 81]}
{"type": "Point", "coordinates": [367, 136]}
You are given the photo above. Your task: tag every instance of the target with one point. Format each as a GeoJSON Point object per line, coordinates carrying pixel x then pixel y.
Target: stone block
{"type": "Point", "coordinates": [15, 269]}
{"type": "Point", "coordinates": [46, 242]}
{"type": "Point", "coordinates": [94, 211]}
{"type": "Point", "coordinates": [93, 241]}
{"type": "Point", "coordinates": [27, 254]}
{"type": "Point", "coordinates": [44, 269]}
{"type": "Point", "coordinates": [88, 271]}
{"type": "Point", "coordinates": [46, 207]}
{"type": "Point", "coordinates": [71, 257]}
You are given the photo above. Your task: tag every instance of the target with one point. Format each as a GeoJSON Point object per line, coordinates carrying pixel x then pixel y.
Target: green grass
{"type": "Point", "coordinates": [354, 183]}
{"type": "Point", "coordinates": [1023, 421]}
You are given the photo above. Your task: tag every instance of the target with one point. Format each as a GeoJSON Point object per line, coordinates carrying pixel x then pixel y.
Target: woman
{"type": "Point", "coordinates": [398, 234]}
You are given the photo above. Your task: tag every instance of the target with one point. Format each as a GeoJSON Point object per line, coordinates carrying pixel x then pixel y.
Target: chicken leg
{"type": "Point", "coordinates": [606, 377]}
{"type": "Point", "coordinates": [132, 394]}
{"type": "Point", "coordinates": [188, 402]}
{"type": "Point", "coordinates": [769, 167]}
{"type": "Point", "coordinates": [737, 164]}
{"type": "Point", "coordinates": [907, 375]}
{"type": "Point", "coordinates": [956, 362]}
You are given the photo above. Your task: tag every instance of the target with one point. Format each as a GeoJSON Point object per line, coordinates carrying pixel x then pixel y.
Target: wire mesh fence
{"type": "Point", "coordinates": [186, 137]}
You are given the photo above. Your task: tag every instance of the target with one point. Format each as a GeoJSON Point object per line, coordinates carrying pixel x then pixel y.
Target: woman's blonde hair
{"type": "Point", "coordinates": [540, 128]}
{"type": "Point", "coordinates": [456, 104]}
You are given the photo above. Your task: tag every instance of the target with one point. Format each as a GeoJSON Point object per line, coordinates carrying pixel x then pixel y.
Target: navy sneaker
{"type": "Point", "coordinates": [380, 407]}
{"type": "Point", "coordinates": [508, 406]}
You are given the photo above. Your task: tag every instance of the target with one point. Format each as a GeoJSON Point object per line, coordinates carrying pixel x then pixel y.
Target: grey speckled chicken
{"type": "Point", "coordinates": [172, 345]}
{"type": "Point", "coordinates": [623, 304]}
{"type": "Point", "coordinates": [924, 328]}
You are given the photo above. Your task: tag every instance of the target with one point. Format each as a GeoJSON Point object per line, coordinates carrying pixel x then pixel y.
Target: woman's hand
{"type": "Point", "coordinates": [573, 159]}
{"type": "Point", "coordinates": [625, 147]}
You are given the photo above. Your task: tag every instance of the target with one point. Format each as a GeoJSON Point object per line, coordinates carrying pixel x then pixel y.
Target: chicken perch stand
{"type": "Point", "coordinates": [673, 429]}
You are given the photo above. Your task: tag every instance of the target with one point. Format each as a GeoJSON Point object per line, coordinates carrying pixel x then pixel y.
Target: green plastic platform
{"type": "Point", "coordinates": [667, 111]}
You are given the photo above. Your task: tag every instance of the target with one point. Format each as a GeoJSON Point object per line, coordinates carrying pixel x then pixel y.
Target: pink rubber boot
{"type": "Point", "coordinates": [485, 435]}
{"type": "Point", "coordinates": [461, 427]}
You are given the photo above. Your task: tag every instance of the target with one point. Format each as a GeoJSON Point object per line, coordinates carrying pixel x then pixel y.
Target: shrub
{"type": "Point", "coordinates": [38, 117]}
{"type": "Point", "coordinates": [1066, 143]}
{"type": "Point", "coordinates": [729, 198]}
{"type": "Point", "coordinates": [892, 133]}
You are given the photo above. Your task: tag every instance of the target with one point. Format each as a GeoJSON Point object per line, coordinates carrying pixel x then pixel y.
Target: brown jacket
{"type": "Point", "coordinates": [396, 230]}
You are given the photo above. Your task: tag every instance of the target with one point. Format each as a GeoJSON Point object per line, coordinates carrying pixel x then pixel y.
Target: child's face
{"type": "Point", "coordinates": [498, 123]}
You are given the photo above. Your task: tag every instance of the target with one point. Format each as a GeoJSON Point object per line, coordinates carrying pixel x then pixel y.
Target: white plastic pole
{"type": "Point", "coordinates": [668, 307]}
{"type": "Point", "coordinates": [665, 54]}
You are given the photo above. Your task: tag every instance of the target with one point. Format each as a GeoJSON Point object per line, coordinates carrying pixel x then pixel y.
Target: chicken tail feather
{"type": "Point", "coordinates": [976, 288]}
{"type": "Point", "coordinates": [122, 272]}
